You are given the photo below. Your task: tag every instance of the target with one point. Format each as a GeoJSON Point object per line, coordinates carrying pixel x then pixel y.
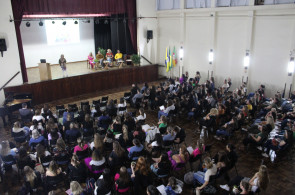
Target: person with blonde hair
{"type": "Point", "coordinates": [32, 179]}
{"type": "Point", "coordinates": [36, 138]}
{"type": "Point", "coordinates": [203, 177]}
{"type": "Point", "coordinates": [259, 180]}
{"type": "Point", "coordinates": [109, 56]}
{"type": "Point", "coordinates": [76, 188]}
{"type": "Point", "coordinates": [16, 129]}
{"type": "Point", "coordinates": [90, 59]}
{"type": "Point", "coordinates": [97, 143]}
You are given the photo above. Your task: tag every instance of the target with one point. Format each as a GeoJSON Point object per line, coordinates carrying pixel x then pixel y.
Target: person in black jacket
{"type": "Point", "coordinates": [32, 179]}
{"type": "Point", "coordinates": [162, 168]}
{"type": "Point", "coordinates": [104, 185]}
{"type": "Point", "coordinates": [76, 171]}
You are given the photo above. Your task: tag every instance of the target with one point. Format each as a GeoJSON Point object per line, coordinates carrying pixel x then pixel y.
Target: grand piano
{"type": "Point", "coordinates": [13, 102]}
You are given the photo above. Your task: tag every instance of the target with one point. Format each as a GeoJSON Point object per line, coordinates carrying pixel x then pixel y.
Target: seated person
{"type": "Point", "coordinates": [76, 188]}
{"type": "Point", "coordinates": [25, 112]}
{"type": "Point", "coordinates": [199, 149]}
{"type": "Point", "coordinates": [123, 181]}
{"type": "Point", "coordinates": [278, 143]}
{"type": "Point", "coordinates": [104, 185]}
{"type": "Point", "coordinates": [122, 104]}
{"type": "Point", "coordinates": [117, 156]}
{"type": "Point", "coordinates": [72, 134]}
{"type": "Point", "coordinates": [53, 170]}
{"type": "Point", "coordinates": [32, 179]}
{"type": "Point", "coordinates": [129, 122]}
{"type": "Point", "coordinates": [90, 59]}
{"type": "Point", "coordinates": [81, 146]}
{"type": "Point", "coordinates": [180, 135]}
{"type": "Point", "coordinates": [76, 170]}
{"type": "Point", "coordinates": [203, 176]}
{"type": "Point", "coordinates": [155, 147]}
{"type": "Point", "coordinates": [126, 137]}
{"type": "Point", "coordinates": [173, 187]}
{"type": "Point", "coordinates": [138, 147]}
{"type": "Point", "coordinates": [37, 139]}
{"type": "Point", "coordinates": [141, 116]}
{"type": "Point", "coordinates": [259, 180]}
{"type": "Point", "coordinates": [37, 126]}
{"type": "Point", "coordinates": [104, 121]}
{"type": "Point", "coordinates": [119, 57]}
{"type": "Point", "coordinates": [181, 157]}
{"type": "Point", "coordinates": [108, 140]}
{"type": "Point", "coordinates": [17, 129]}
{"type": "Point", "coordinates": [109, 56]}
{"type": "Point", "coordinates": [99, 58]}
{"type": "Point", "coordinates": [38, 116]}
{"type": "Point", "coordinates": [165, 111]}
{"type": "Point", "coordinates": [97, 143]}
{"type": "Point", "coordinates": [87, 126]}
{"type": "Point", "coordinates": [116, 127]}
{"type": "Point", "coordinates": [227, 129]}
{"type": "Point", "coordinates": [24, 159]}
{"type": "Point", "coordinates": [162, 124]}
{"type": "Point", "coordinates": [255, 138]}
{"type": "Point", "coordinates": [96, 159]}
{"type": "Point", "coordinates": [141, 175]}
{"type": "Point", "coordinates": [170, 135]}
{"type": "Point", "coordinates": [162, 167]}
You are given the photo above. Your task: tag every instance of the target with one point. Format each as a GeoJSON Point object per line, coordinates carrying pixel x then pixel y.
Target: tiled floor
{"type": "Point", "coordinates": [282, 178]}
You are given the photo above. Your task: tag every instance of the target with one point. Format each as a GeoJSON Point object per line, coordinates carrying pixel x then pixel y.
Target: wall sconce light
{"type": "Point", "coordinates": [291, 66]}
{"type": "Point", "coordinates": [211, 56]}
{"type": "Point", "coordinates": [247, 59]}
{"type": "Point", "coordinates": [181, 53]}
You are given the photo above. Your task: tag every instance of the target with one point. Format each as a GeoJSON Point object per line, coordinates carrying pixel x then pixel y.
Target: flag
{"type": "Point", "coordinates": [170, 61]}
{"type": "Point", "coordinates": [174, 58]}
{"type": "Point", "coordinates": [167, 61]}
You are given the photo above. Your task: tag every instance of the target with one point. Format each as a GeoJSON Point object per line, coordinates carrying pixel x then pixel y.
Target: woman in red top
{"type": "Point", "coordinates": [109, 56]}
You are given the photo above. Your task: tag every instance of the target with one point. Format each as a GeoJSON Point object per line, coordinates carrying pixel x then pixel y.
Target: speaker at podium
{"type": "Point", "coordinates": [44, 70]}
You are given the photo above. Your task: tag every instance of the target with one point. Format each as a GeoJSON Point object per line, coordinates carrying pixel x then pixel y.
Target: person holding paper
{"type": "Point", "coordinates": [166, 111]}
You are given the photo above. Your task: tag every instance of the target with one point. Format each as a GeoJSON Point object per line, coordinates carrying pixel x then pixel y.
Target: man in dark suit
{"type": "Point", "coordinates": [25, 113]}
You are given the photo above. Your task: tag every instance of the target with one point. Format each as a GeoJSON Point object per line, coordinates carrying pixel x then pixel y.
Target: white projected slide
{"type": "Point", "coordinates": [58, 33]}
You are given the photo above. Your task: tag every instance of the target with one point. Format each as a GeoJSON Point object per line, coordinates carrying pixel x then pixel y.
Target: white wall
{"type": "Point", "coordinates": [146, 9]}
{"type": "Point", "coordinates": [36, 48]}
{"type": "Point", "coordinates": [267, 31]}
{"type": "Point", "coordinates": [9, 63]}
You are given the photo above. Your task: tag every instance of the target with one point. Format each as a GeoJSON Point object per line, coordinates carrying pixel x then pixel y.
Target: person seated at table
{"type": "Point", "coordinates": [109, 56]}
{"type": "Point", "coordinates": [119, 57]}
{"type": "Point", "coordinates": [90, 59]}
{"type": "Point", "coordinates": [99, 58]}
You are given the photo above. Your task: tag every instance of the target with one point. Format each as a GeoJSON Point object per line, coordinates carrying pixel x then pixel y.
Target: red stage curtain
{"type": "Point", "coordinates": [36, 7]}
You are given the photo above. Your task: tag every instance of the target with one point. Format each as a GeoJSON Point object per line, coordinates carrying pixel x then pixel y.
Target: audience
{"type": "Point", "coordinates": [100, 144]}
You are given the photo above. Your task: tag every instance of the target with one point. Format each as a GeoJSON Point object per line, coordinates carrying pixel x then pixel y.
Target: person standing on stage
{"type": "Point", "coordinates": [118, 57]}
{"type": "Point", "coordinates": [109, 56]}
{"type": "Point", "coordinates": [62, 63]}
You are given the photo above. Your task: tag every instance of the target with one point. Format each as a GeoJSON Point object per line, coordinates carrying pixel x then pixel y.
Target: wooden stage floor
{"type": "Point", "coordinates": [73, 69]}
{"type": "Point", "coordinates": [282, 178]}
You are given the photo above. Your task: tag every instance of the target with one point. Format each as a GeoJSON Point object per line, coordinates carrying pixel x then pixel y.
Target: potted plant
{"type": "Point", "coordinates": [102, 51]}
{"type": "Point", "coordinates": [135, 59]}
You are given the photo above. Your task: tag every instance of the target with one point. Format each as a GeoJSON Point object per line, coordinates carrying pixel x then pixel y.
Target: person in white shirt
{"type": "Point", "coordinates": [225, 85]}
{"type": "Point", "coordinates": [38, 116]}
{"type": "Point", "coordinates": [122, 104]}
{"type": "Point", "coordinates": [166, 111]}
{"type": "Point", "coordinates": [142, 115]}
{"type": "Point", "coordinates": [97, 159]}
{"type": "Point", "coordinates": [203, 177]}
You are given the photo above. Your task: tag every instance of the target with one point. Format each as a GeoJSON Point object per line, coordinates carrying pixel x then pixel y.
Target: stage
{"type": "Point", "coordinates": [72, 86]}
{"type": "Point", "coordinates": [73, 69]}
